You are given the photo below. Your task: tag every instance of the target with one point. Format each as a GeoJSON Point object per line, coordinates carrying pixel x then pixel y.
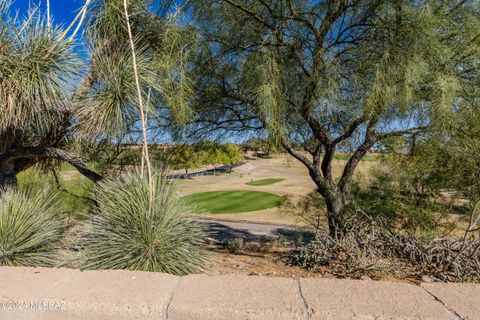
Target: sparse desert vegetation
{"type": "Point", "coordinates": [316, 138]}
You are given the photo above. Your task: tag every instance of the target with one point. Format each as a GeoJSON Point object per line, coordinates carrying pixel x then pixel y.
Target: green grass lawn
{"type": "Point", "coordinates": [264, 182]}
{"type": "Point", "coordinates": [234, 201]}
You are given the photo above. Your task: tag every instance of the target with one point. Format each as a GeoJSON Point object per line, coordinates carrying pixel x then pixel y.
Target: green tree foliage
{"type": "Point", "coordinates": [186, 157]}
{"type": "Point", "coordinates": [428, 175]}
{"type": "Point", "coordinates": [428, 178]}
{"type": "Point", "coordinates": [232, 154]}
{"type": "Point", "coordinates": [320, 74]}
{"type": "Point", "coordinates": [109, 92]}
{"type": "Point", "coordinates": [265, 146]}
{"type": "Point", "coordinates": [49, 99]}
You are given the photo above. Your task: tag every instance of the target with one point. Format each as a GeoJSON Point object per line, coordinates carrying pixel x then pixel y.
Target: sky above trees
{"type": "Point", "coordinates": [62, 11]}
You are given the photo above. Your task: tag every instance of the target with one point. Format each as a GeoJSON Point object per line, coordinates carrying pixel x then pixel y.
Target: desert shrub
{"type": "Point", "coordinates": [234, 245]}
{"type": "Point", "coordinates": [399, 203]}
{"type": "Point", "coordinates": [265, 245]}
{"type": "Point", "coordinates": [350, 253]}
{"type": "Point", "coordinates": [369, 247]}
{"type": "Point", "coordinates": [32, 224]}
{"type": "Point", "coordinates": [281, 241]}
{"type": "Point", "coordinates": [298, 238]}
{"type": "Point", "coordinates": [125, 234]}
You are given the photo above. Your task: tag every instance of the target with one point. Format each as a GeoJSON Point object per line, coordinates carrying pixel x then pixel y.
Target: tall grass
{"type": "Point", "coordinates": [124, 234]}
{"type": "Point", "coordinates": [32, 224]}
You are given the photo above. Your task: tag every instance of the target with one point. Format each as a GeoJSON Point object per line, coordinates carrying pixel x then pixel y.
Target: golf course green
{"type": "Point", "coordinates": [264, 182]}
{"type": "Point", "coordinates": [233, 201]}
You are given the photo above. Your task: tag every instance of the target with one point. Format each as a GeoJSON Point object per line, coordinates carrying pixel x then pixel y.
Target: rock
{"type": "Point", "coordinates": [365, 278]}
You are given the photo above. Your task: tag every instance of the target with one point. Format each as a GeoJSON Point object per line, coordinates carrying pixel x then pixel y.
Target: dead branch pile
{"type": "Point", "coordinates": [365, 248]}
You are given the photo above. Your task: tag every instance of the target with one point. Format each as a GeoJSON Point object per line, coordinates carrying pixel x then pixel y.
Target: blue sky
{"type": "Point", "coordinates": [62, 11]}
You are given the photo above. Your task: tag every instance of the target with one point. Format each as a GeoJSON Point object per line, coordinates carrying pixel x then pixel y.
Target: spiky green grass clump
{"type": "Point", "coordinates": [32, 224]}
{"type": "Point", "coordinates": [125, 234]}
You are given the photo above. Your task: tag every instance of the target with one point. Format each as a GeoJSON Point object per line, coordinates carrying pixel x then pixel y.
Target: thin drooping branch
{"type": "Point", "coordinates": [254, 15]}
{"type": "Point", "coordinates": [41, 153]}
{"type": "Point", "coordinates": [297, 155]}
{"type": "Point", "coordinates": [402, 132]}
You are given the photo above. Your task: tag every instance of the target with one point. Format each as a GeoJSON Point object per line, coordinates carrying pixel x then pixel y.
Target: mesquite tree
{"type": "Point", "coordinates": [322, 74]}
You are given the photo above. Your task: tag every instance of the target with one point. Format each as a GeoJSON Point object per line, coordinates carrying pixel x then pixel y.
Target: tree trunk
{"type": "Point", "coordinates": [8, 178]}
{"type": "Point", "coordinates": [13, 161]}
{"type": "Point", "coordinates": [335, 204]}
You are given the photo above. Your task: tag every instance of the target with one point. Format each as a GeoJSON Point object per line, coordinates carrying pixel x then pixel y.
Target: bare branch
{"type": "Point", "coordinates": [40, 153]}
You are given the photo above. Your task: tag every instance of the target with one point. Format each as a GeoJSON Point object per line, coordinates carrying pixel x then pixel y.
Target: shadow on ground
{"type": "Point", "coordinates": [221, 232]}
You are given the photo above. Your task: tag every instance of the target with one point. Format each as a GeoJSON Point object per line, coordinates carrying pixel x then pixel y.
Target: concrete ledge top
{"type": "Point", "coordinates": [43, 293]}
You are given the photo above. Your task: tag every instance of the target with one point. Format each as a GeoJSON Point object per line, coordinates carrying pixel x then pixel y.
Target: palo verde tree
{"type": "Point", "coordinates": [322, 74]}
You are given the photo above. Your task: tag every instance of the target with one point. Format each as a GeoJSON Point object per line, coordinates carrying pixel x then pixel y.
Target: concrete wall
{"type": "Point", "coordinates": [50, 294]}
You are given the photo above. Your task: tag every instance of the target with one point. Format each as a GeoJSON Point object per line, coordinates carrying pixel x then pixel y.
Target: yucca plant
{"type": "Point", "coordinates": [32, 224]}
{"type": "Point", "coordinates": [124, 234]}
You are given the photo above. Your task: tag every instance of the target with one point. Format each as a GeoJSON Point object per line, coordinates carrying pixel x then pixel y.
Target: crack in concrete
{"type": "Point", "coordinates": [170, 298]}
{"type": "Point", "coordinates": [453, 313]}
{"type": "Point", "coordinates": [307, 311]}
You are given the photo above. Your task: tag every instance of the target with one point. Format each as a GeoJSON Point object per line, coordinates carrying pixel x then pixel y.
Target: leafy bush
{"type": "Point", "coordinates": [125, 234]}
{"type": "Point", "coordinates": [401, 203]}
{"type": "Point", "coordinates": [32, 224]}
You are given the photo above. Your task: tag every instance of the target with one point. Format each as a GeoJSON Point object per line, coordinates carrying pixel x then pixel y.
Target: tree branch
{"type": "Point", "coordinates": [351, 129]}
{"type": "Point", "coordinates": [352, 163]}
{"type": "Point", "coordinates": [252, 14]}
{"type": "Point", "coordinates": [401, 132]}
{"type": "Point", "coordinates": [40, 153]}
